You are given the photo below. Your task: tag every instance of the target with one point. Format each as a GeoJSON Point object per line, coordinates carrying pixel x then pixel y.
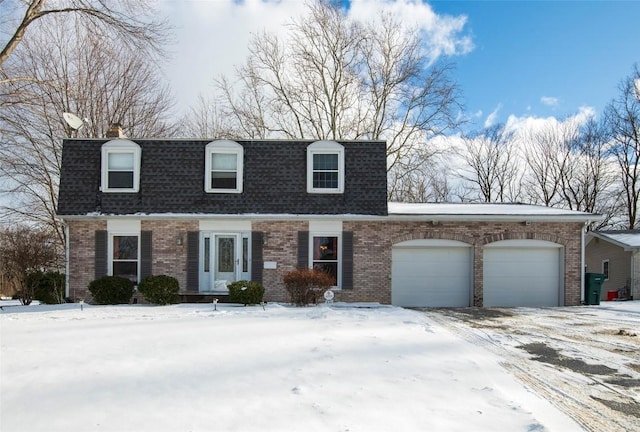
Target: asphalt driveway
{"type": "Point", "coordinates": [584, 360]}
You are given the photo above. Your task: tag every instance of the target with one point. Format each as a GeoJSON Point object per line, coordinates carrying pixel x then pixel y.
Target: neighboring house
{"type": "Point", "coordinates": [616, 254]}
{"type": "Point", "coordinates": [210, 212]}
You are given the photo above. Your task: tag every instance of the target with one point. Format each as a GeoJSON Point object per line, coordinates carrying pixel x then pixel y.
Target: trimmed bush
{"type": "Point", "coordinates": [47, 287]}
{"type": "Point", "coordinates": [246, 292]}
{"type": "Point", "coordinates": [160, 289]}
{"type": "Point", "coordinates": [305, 285]}
{"type": "Point", "coordinates": [111, 290]}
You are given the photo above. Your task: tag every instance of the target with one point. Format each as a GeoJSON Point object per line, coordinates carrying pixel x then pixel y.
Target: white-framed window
{"type": "Point", "coordinates": [325, 167]}
{"type": "Point", "coordinates": [223, 167]}
{"type": "Point", "coordinates": [605, 269]}
{"type": "Point", "coordinates": [120, 166]}
{"type": "Point", "coordinates": [124, 255]}
{"type": "Point", "coordinates": [325, 254]}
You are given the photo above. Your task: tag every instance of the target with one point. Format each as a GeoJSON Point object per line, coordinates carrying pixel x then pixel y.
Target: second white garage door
{"type": "Point", "coordinates": [431, 273]}
{"type": "Point", "coordinates": [522, 273]}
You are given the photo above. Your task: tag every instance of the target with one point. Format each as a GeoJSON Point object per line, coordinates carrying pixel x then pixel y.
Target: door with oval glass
{"type": "Point", "coordinates": [225, 259]}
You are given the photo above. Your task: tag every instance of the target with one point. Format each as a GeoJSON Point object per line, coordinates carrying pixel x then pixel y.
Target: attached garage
{"type": "Point", "coordinates": [431, 273]}
{"type": "Point", "coordinates": [522, 273]}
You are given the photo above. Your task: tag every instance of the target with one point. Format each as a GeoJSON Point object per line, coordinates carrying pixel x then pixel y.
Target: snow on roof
{"type": "Point", "coordinates": [402, 211]}
{"type": "Point", "coordinates": [629, 238]}
{"type": "Point", "coordinates": [486, 211]}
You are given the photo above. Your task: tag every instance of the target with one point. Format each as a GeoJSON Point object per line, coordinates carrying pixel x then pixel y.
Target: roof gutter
{"type": "Point", "coordinates": [433, 218]}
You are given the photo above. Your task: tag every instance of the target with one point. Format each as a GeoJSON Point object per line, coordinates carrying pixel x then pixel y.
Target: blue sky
{"type": "Point", "coordinates": [544, 58]}
{"type": "Point", "coordinates": [515, 59]}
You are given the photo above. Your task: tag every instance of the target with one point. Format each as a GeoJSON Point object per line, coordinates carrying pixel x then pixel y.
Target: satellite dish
{"type": "Point", "coordinates": [73, 120]}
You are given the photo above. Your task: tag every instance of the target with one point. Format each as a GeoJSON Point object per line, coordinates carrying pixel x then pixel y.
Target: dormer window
{"type": "Point", "coordinates": [325, 167]}
{"type": "Point", "coordinates": [120, 166]}
{"type": "Point", "coordinates": [223, 167]}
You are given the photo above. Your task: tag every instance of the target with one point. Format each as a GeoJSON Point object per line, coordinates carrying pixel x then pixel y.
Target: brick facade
{"type": "Point", "coordinates": [372, 244]}
{"type": "Point", "coordinates": [81, 244]}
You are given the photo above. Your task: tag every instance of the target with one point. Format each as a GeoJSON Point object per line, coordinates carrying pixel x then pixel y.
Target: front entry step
{"type": "Point", "coordinates": [202, 298]}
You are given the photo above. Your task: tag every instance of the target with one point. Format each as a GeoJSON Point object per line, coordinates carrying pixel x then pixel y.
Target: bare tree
{"type": "Point", "coordinates": [132, 23]}
{"type": "Point", "coordinates": [587, 180]}
{"type": "Point", "coordinates": [333, 78]}
{"type": "Point", "coordinates": [547, 153]}
{"type": "Point", "coordinates": [86, 74]}
{"type": "Point", "coordinates": [492, 165]}
{"type": "Point", "coordinates": [206, 120]}
{"type": "Point", "coordinates": [25, 250]}
{"type": "Point", "coordinates": [623, 119]}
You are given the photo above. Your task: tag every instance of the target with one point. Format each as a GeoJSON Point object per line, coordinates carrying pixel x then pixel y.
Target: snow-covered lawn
{"type": "Point", "coordinates": [190, 368]}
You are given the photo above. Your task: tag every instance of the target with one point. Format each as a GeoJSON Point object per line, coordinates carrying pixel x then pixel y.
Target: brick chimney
{"type": "Point", "coordinates": [115, 131]}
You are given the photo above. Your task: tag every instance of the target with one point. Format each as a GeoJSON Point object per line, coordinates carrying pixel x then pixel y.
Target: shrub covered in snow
{"type": "Point", "coordinates": [111, 290]}
{"type": "Point", "coordinates": [160, 289]}
{"type": "Point", "coordinates": [246, 292]}
{"type": "Point", "coordinates": [306, 285]}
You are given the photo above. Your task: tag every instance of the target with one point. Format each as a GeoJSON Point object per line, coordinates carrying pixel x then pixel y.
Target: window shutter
{"type": "Point", "coordinates": [347, 260]}
{"type": "Point", "coordinates": [303, 249]}
{"type": "Point", "coordinates": [193, 259]}
{"type": "Point", "coordinates": [256, 256]}
{"type": "Point", "coordinates": [100, 249]}
{"type": "Point", "coordinates": [145, 254]}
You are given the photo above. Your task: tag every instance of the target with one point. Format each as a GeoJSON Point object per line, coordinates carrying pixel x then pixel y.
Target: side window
{"type": "Point", "coordinates": [326, 256]}
{"type": "Point", "coordinates": [605, 269]}
{"type": "Point", "coordinates": [120, 166]}
{"type": "Point", "coordinates": [325, 167]}
{"type": "Point", "coordinates": [125, 256]}
{"type": "Point", "coordinates": [223, 167]}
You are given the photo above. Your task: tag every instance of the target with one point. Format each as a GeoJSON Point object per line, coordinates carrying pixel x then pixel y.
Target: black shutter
{"type": "Point", "coordinates": [101, 261]}
{"type": "Point", "coordinates": [303, 249]}
{"type": "Point", "coordinates": [256, 256]}
{"type": "Point", "coordinates": [193, 261]}
{"type": "Point", "coordinates": [347, 260]}
{"type": "Point", "coordinates": [145, 254]}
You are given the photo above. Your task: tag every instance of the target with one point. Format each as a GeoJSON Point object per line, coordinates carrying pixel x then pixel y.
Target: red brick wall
{"type": "Point", "coordinates": [82, 256]}
{"type": "Point", "coordinates": [282, 247]}
{"type": "Point", "coordinates": [373, 242]}
{"type": "Point", "coordinates": [169, 257]}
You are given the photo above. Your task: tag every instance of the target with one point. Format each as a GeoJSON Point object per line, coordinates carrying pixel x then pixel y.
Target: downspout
{"type": "Point", "coordinates": [632, 282]}
{"type": "Point", "coordinates": [66, 263]}
{"type": "Point", "coordinates": [582, 264]}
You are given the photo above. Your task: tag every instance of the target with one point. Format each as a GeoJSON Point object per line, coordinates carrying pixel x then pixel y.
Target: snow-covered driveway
{"type": "Point", "coordinates": [584, 360]}
{"type": "Point", "coordinates": [190, 368]}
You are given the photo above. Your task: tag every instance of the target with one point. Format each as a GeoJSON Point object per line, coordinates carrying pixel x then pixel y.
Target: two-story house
{"type": "Point", "coordinates": [208, 212]}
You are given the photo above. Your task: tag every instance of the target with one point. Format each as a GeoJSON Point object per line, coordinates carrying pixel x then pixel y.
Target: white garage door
{"type": "Point", "coordinates": [522, 273]}
{"type": "Point", "coordinates": [431, 273]}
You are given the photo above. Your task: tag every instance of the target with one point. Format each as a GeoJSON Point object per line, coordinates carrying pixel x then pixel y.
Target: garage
{"type": "Point", "coordinates": [522, 273]}
{"type": "Point", "coordinates": [431, 273]}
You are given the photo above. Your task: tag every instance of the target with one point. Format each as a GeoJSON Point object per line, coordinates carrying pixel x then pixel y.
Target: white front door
{"type": "Point", "coordinates": [223, 259]}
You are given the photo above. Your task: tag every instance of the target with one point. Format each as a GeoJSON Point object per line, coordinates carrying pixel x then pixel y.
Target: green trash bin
{"type": "Point", "coordinates": [592, 285]}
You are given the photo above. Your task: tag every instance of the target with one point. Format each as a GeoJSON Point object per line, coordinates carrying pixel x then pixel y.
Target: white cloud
{"type": "Point", "coordinates": [212, 37]}
{"type": "Point", "coordinates": [549, 101]}
{"type": "Point", "coordinates": [444, 33]}
{"type": "Point", "coordinates": [524, 125]}
{"type": "Point", "coordinates": [491, 118]}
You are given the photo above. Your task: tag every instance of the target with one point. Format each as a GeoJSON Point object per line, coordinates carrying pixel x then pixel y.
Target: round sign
{"type": "Point", "coordinates": [328, 295]}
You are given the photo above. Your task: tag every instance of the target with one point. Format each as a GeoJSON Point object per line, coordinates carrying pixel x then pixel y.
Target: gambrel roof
{"type": "Point", "coordinates": [172, 180]}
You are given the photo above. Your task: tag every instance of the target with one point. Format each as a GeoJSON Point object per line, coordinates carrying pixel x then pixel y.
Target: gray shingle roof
{"type": "Point", "coordinates": [172, 180]}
